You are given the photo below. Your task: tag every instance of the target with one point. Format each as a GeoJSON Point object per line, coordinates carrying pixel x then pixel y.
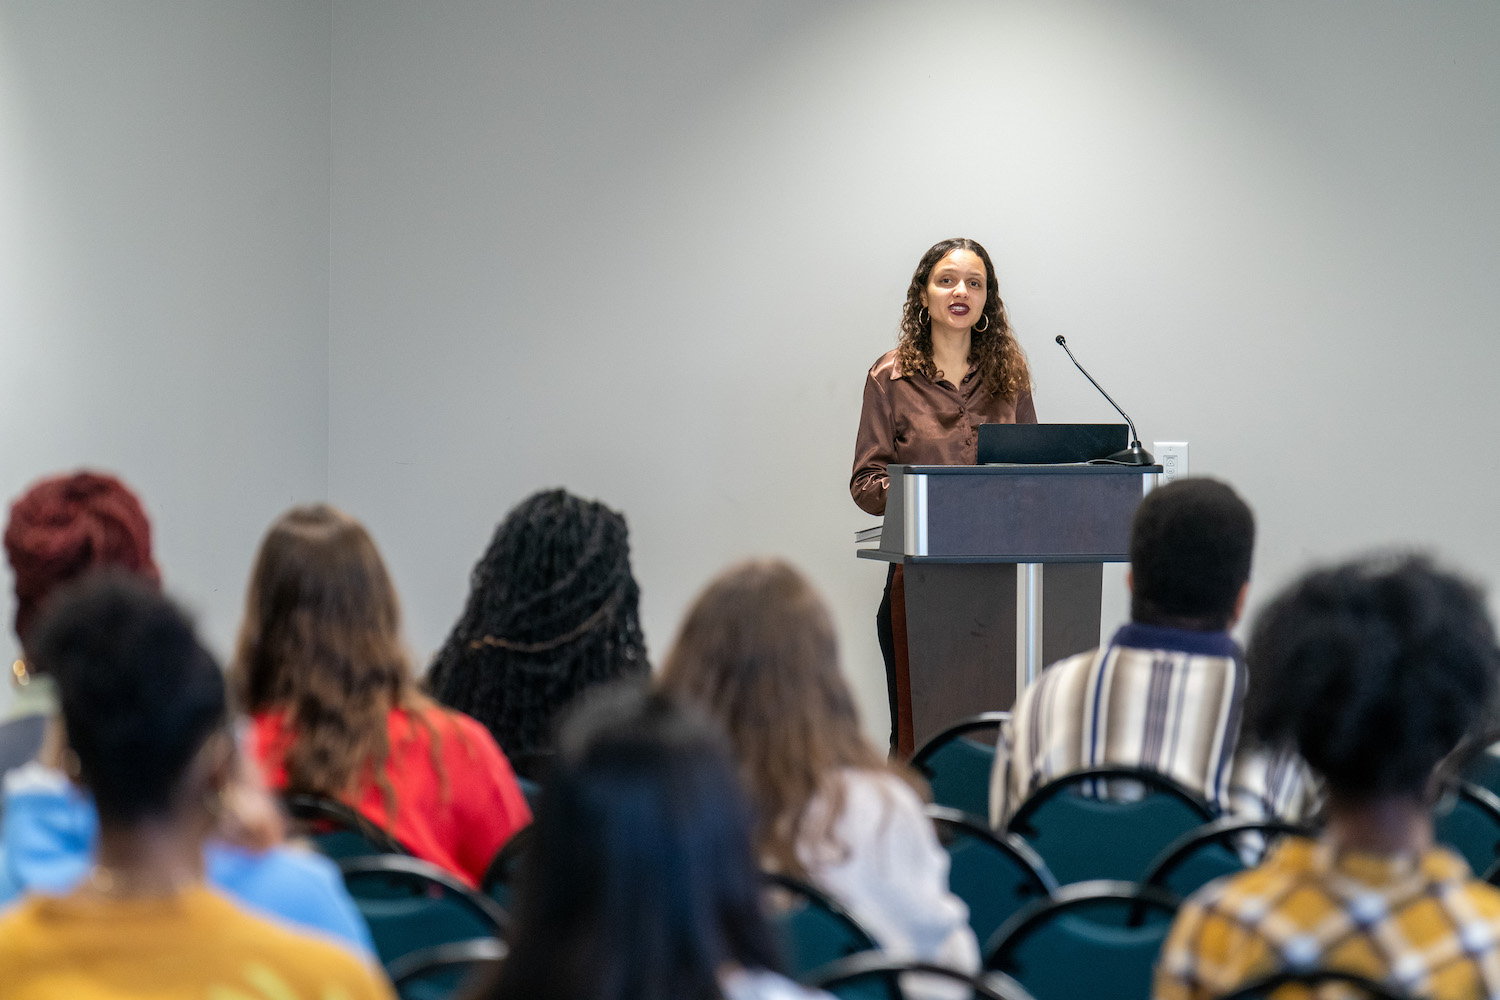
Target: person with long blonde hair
{"type": "Point", "coordinates": [757, 651]}
{"type": "Point", "coordinates": [322, 669]}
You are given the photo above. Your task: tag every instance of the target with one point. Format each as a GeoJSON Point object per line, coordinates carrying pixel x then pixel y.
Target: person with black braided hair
{"type": "Point", "coordinates": [552, 609]}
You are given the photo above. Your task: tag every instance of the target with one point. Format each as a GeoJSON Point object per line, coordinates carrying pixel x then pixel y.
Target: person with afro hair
{"type": "Point", "coordinates": [1373, 672]}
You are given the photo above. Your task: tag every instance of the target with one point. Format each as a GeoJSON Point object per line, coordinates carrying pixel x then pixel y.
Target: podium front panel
{"type": "Point", "coordinates": [1032, 518]}
{"type": "Point", "coordinates": [1023, 513]}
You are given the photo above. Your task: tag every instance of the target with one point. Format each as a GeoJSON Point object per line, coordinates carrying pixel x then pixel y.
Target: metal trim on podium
{"type": "Point", "coordinates": [1003, 566]}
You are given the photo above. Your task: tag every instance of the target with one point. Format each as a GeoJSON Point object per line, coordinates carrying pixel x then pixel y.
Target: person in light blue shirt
{"type": "Point", "coordinates": [49, 830]}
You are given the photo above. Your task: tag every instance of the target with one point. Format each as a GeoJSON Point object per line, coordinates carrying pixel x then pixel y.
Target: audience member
{"type": "Point", "coordinates": [641, 884]}
{"type": "Point", "coordinates": [552, 609]}
{"type": "Point", "coordinates": [322, 669]}
{"type": "Point", "coordinates": [1373, 672]}
{"type": "Point", "coordinates": [757, 651]}
{"type": "Point", "coordinates": [59, 530]}
{"type": "Point", "coordinates": [144, 708]}
{"type": "Point", "coordinates": [1168, 691]}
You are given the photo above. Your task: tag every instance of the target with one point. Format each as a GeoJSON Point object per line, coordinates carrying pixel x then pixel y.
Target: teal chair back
{"type": "Point", "coordinates": [855, 977]}
{"type": "Point", "coordinates": [1483, 769]}
{"type": "Point", "coordinates": [957, 763]}
{"type": "Point", "coordinates": [446, 971]}
{"type": "Point", "coordinates": [1467, 820]}
{"type": "Point", "coordinates": [336, 830]}
{"type": "Point", "coordinates": [499, 882]}
{"type": "Point", "coordinates": [411, 905]}
{"type": "Point", "coordinates": [1082, 835]}
{"type": "Point", "coordinates": [814, 929]}
{"type": "Point", "coordinates": [994, 875]}
{"type": "Point", "coordinates": [1214, 850]}
{"type": "Point", "coordinates": [1090, 939]}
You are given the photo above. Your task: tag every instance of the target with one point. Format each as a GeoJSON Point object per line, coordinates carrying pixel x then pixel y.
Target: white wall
{"type": "Point", "coordinates": [646, 252]}
{"type": "Point", "coordinates": [164, 268]}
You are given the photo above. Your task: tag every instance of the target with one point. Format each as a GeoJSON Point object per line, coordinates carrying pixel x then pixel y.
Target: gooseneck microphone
{"type": "Point", "coordinates": [1135, 454]}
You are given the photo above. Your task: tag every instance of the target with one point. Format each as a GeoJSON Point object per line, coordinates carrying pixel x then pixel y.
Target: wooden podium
{"type": "Point", "coordinates": [1004, 573]}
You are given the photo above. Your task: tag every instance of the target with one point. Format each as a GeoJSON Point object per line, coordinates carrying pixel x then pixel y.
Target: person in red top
{"type": "Point", "coordinates": [322, 670]}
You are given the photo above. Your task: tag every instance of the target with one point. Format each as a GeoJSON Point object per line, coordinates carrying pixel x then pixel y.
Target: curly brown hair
{"type": "Point", "coordinates": [1002, 365]}
{"type": "Point", "coordinates": [321, 641]}
{"type": "Point", "coordinates": [757, 652]}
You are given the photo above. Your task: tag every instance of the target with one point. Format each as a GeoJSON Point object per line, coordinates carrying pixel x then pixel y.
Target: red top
{"type": "Point", "coordinates": [460, 830]}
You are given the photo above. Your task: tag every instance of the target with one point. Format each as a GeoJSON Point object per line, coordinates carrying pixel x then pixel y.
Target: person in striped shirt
{"type": "Point", "coordinates": [1167, 692]}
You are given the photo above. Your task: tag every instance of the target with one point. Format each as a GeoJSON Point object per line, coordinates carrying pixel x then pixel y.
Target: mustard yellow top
{"type": "Point", "coordinates": [1423, 925]}
{"type": "Point", "coordinates": [195, 944]}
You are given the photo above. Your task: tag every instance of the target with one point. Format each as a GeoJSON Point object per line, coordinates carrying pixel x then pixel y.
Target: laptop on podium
{"type": "Point", "coordinates": [1050, 444]}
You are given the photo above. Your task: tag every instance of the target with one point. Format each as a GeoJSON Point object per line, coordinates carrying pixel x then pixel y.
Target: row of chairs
{"type": "Point", "coordinates": [860, 972]}
{"type": "Point", "coordinates": [1075, 875]}
{"type": "Point", "coordinates": [430, 929]}
{"type": "Point", "coordinates": [1088, 836]}
{"type": "Point", "coordinates": [1089, 939]}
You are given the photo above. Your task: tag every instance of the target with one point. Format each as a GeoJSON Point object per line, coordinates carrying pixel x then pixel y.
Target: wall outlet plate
{"type": "Point", "coordinates": [1172, 456]}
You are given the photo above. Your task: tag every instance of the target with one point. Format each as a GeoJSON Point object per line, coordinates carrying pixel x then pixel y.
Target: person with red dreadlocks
{"type": "Point", "coordinates": [62, 531]}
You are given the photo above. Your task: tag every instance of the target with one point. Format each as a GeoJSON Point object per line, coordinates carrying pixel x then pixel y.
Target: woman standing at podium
{"type": "Point", "coordinates": [957, 365]}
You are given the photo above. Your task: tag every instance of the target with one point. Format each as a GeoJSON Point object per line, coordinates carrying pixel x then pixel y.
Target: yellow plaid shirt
{"type": "Point", "coordinates": [1424, 926]}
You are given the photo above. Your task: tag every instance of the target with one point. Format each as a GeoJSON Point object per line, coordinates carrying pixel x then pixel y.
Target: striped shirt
{"type": "Point", "coordinates": [1423, 925]}
{"type": "Point", "coordinates": [1163, 698]}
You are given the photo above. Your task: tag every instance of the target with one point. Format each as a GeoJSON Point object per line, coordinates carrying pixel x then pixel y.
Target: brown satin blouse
{"type": "Point", "coordinates": [910, 420]}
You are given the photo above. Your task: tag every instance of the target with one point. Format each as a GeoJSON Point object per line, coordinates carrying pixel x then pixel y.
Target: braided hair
{"type": "Point", "coordinates": [552, 609]}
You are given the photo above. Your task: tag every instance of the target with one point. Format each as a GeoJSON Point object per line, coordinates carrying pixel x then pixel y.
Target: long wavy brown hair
{"type": "Point", "coordinates": [757, 652]}
{"type": "Point", "coordinates": [1002, 364]}
{"type": "Point", "coordinates": [321, 641]}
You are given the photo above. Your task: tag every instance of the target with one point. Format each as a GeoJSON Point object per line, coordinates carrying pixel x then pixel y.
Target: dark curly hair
{"type": "Point", "coordinates": [642, 881]}
{"type": "Point", "coordinates": [1373, 671]}
{"type": "Point", "coordinates": [140, 696]}
{"type": "Point", "coordinates": [552, 609]}
{"type": "Point", "coordinates": [1002, 365]}
{"type": "Point", "coordinates": [1190, 547]}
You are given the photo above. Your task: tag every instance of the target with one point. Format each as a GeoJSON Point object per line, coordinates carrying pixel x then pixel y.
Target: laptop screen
{"type": "Point", "coordinates": [1049, 444]}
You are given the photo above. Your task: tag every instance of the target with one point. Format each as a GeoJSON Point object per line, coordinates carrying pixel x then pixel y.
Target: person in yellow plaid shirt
{"type": "Point", "coordinates": [1373, 672]}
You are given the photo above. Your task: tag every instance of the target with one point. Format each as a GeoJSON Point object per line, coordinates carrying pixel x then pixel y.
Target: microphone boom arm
{"type": "Point", "coordinates": [1135, 454]}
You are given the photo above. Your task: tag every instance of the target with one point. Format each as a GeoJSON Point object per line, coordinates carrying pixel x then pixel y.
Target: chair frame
{"type": "Point", "coordinates": [1451, 768]}
{"type": "Point", "coordinates": [1488, 803]}
{"type": "Point", "coordinates": [496, 871]}
{"type": "Point", "coordinates": [1265, 985]}
{"type": "Point", "coordinates": [985, 985]}
{"type": "Point", "coordinates": [375, 864]}
{"type": "Point", "coordinates": [308, 806]}
{"type": "Point", "coordinates": [1071, 896]}
{"type": "Point", "coordinates": [817, 897]}
{"type": "Point", "coordinates": [1008, 843]}
{"type": "Point", "coordinates": [934, 743]}
{"type": "Point", "coordinates": [1156, 780]}
{"type": "Point", "coordinates": [1178, 851]}
{"type": "Point", "coordinates": [413, 964]}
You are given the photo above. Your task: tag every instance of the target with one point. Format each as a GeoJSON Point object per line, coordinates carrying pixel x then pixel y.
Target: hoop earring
{"type": "Point", "coordinates": [923, 316]}
{"type": "Point", "coordinates": [981, 329]}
